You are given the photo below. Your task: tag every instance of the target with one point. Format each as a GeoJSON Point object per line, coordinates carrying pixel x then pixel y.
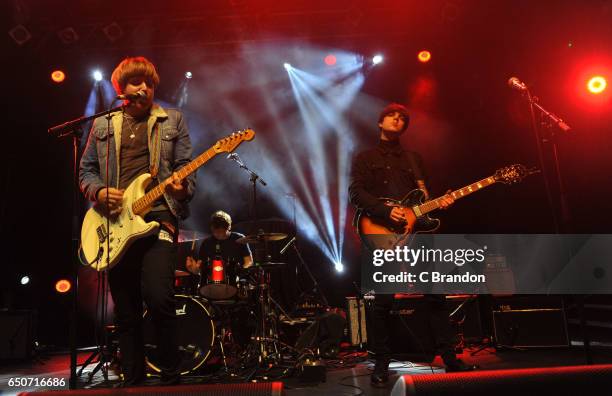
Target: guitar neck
{"type": "Point", "coordinates": [460, 193]}
{"type": "Point", "coordinates": [142, 204]}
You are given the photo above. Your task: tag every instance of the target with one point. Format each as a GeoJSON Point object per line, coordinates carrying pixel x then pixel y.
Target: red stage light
{"type": "Point", "coordinates": [63, 286]}
{"type": "Point", "coordinates": [58, 76]}
{"type": "Point", "coordinates": [424, 56]}
{"type": "Point", "coordinates": [597, 85]}
{"type": "Point", "coordinates": [330, 60]}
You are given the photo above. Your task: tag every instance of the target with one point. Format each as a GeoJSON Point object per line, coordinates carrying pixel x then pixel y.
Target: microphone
{"type": "Point", "coordinates": [132, 96]}
{"type": "Point", "coordinates": [515, 83]}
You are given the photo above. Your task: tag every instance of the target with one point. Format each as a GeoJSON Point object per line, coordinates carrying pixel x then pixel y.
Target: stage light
{"type": "Point", "coordinates": [188, 75]}
{"type": "Point", "coordinates": [24, 280]}
{"type": "Point", "coordinates": [287, 66]}
{"type": "Point", "coordinates": [330, 60]}
{"type": "Point", "coordinates": [97, 75]}
{"type": "Point", "coordinates": [63, 286]}
{"type": "Point", "coordinates": [597, 85]}
{"type": "Point", "coordinates": [377, 59]}
{"type": "Point", "coordinates": [58, 76]}
{"type": "Point", "coordinates": [113, 32]}
{"type": "Point", "coordinates": [68, 35]}
{"type": "Point", "coordinates": [20, 34]}
{"type": "Point", "coordinates": [424, 56]}
{"type": "Point", "coordinates": [322, 103]}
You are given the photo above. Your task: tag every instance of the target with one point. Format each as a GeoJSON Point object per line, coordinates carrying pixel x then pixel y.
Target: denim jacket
{"type": "Point", "coordinates": [169, 150]}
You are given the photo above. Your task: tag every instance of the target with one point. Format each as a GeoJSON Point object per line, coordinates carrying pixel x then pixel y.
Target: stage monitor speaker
{"type": "Point", "coordinates": [246, 389]}
{"type": "Point", "coordinates": [572, 380]}
{"type": "Point", "coordinates": [16, 334]}
{"type": "Point", "coordinates": [410, 332]}
{"type": "Point", "coordinates": [530, 322]}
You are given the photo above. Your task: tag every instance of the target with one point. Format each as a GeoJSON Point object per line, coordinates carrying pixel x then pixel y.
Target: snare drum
{"type": "Point", "coordinates": [220, 282]}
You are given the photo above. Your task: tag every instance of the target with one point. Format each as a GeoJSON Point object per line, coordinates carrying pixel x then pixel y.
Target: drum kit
{"type": "Point", "coordinates": [226, 312]}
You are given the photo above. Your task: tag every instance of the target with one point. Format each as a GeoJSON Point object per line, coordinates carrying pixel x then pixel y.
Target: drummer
{"type": "Point", "coordinates": [221, 244]}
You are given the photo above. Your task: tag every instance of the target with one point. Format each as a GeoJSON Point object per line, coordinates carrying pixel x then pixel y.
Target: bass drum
{"type": "Point", "coordinates": [195, 334]}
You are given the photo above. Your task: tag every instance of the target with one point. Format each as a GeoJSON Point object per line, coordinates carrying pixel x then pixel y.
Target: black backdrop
{"type": "Point", "coordinates": [467, 125]}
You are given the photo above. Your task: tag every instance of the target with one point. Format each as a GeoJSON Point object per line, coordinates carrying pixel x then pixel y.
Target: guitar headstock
{"type": "Point", "coordinates": [513, 174]}
{"type": "Point", "coordinates": [229, 143]}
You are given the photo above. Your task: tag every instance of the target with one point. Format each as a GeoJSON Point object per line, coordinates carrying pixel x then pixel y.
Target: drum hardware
{"type": "Point", "coordinates": [266, 339]}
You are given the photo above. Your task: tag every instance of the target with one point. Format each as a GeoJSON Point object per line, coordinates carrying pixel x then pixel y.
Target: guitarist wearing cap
{"type": "Point", "coordinates": [390, 171]}
{"type": "Point", "coordinates": [142, 139]}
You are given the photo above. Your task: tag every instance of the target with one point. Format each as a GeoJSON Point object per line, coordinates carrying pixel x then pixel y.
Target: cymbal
{"type": "Point", "coordinates": [262, 237]}
{"type": "Point", "coordinates": [181, 274]}
{"type": "Point", "coordinates": [190, 235]}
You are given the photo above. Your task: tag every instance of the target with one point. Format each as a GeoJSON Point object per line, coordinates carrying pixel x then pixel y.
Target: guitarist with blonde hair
{"type": "Point", "coordinates": [143, 138]}
{"type": "Point", "coordinates": [390, 171]}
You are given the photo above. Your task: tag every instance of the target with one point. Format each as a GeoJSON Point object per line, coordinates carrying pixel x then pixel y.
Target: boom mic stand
{"type": "Point", "coordinates": [266, 333]}
{"type": "Point", "coordinates": [315, 288]}
{"type": "Point", "coordinates": [548, 120]}
{"type": "Point", "coordinates": [73, 129]}
{"type": "Point", "coordinates": [253, 178]}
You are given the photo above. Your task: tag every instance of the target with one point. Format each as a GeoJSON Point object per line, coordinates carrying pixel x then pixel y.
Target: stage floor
{"type": "Point", "coordinates": [347, 376]}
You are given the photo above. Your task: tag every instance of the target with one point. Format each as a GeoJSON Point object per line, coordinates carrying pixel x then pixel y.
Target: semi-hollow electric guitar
{"type": "Point", "coordinates": [103, 247]}
{"type": "Point", "coordinates": [415, 210]}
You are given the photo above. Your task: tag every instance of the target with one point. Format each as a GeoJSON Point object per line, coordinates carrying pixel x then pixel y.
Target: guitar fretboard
{"type": "Point", "coordinates": [141, 205]}
{"type": "Point", "coordinates": [460, 193]}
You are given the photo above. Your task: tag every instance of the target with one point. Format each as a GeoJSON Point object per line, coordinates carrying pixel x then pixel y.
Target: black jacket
{"type": "Point", "coordinates": [386, 171]}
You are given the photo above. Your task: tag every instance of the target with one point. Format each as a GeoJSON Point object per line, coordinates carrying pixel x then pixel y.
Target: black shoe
{"type": "Point", "coordinates": [458, 365]}
{"type": "Point", "coordinates": [380, 376]}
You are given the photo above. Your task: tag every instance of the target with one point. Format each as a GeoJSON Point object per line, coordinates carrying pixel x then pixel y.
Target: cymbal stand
{"type": "Point", "coordinates": [266, 333]}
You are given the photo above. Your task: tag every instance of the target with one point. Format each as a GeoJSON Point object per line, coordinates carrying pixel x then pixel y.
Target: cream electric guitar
{"type": "Point", "coordinates": [102, 248]}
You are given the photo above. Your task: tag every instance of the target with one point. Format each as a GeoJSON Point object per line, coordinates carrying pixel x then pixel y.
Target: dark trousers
{"type": "Point", "coordinates": [378, 325]}
{"type": "Point", "coordinates": [146, 273]}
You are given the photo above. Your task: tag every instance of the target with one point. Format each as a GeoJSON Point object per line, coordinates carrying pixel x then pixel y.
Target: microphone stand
{"type": "Point", "coordinates": [548, 120]}
{"type": "Point", "coordinates": [253, 178]}
{"type": "Point", "coordinates": [74, 129]}
{"type": "Point", "coordinates": [316, 288]}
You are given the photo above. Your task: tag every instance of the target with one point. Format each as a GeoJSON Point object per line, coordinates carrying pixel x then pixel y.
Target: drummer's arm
{"type": "Point", "coordinates": [247, 256]}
